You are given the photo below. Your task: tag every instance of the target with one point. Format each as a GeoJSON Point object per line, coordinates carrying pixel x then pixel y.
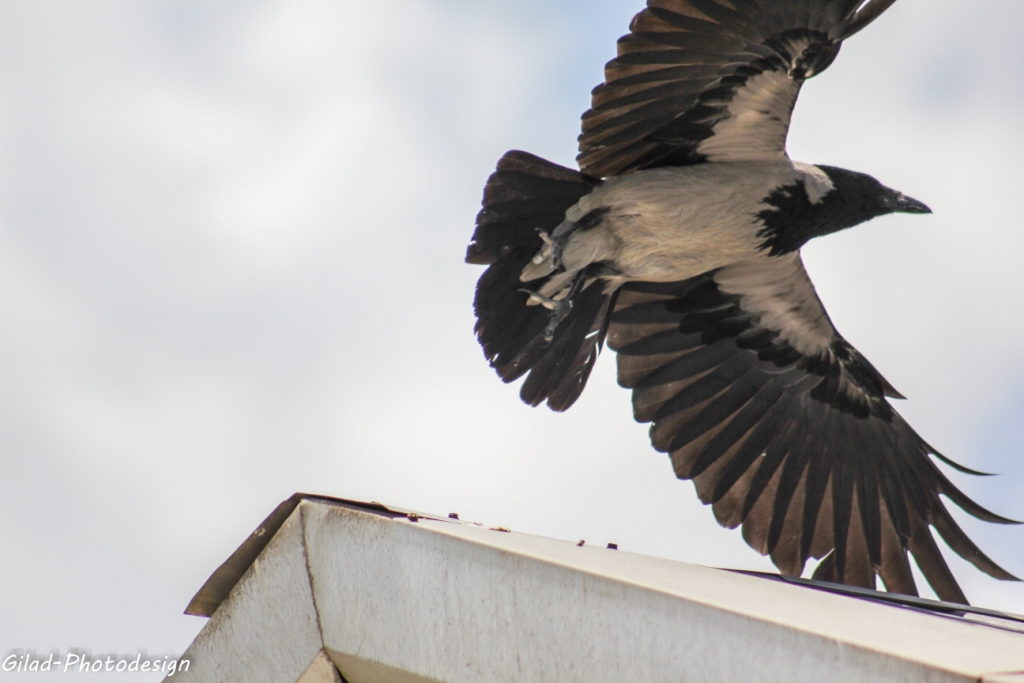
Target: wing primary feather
{"type": "Point", "coordinates": [931, 563]}
{"type": "Point", "coordinates": [910, 483]}
{"type": "Point", "coordinates": [690, 364]}
{"type": "Point", "coordinates": [710, 386]}
{"type": "Point", "coordinates": [775, 454]}
{"type": "Point", "coordinates": [668, 341]}
{"type": "Point", "coordinates": [895, 570]}
{"type": "Point", "coordinates": [772, 20]}
{"type": "Point", "coordinates": [647, 313]}
{"type": "Point", "coordinates": [722, 407]}
{"type": "Point", "coordinates": [690, 24]}
{"type": "Point", "coordinates": [868, 502]}
{"type": "Point", "coordinates": [752, 449]}
{"type": "Point", "coordinates": [750, 10]}
{"type": "Point", "coordinates": [637, 121]}
{"type": "Point", "coordinates": [746, 418]}
{"type": "Point", "coordinates": [693, 41]}
{"type": "Point", "coordinates": [685, 72]}
{"type": "Point", "coordinates": [610, 101]}
{"type": "Point", "coordinates": [895, 503]}
{"type": "Point", "coordinates": [792, 471]}
{"type": "Point", "coordinates": [816, 16]}
{"type": "Point", "coordinates": [673, 56]}
{"type": "Point", "coordinates": [721, 14]}
{"type": "Point", "coordinates": [956, 539]}
{"type": "Point", "coordinates": [957, 466]}
{"type": "Point", "coordinates": [946, 487]}
{"type": "Point", "coordinates": [871, 10]}
{"type": "Point", "coordinates": [842, 502]}
{"type": "Point", "coordinates": [818, 474]}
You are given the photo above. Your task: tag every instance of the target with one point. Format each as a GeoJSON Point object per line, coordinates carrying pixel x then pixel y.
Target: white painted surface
{"type": "Point", "coordinates": [267, 631]}
{"type": "Point", "coordinates": [437, 600]}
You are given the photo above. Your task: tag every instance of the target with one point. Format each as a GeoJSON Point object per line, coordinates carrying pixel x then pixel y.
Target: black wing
{"type": "Point", "coordinates": [712, 80]}
{"type": "Point", "coordinates": [784, 428]}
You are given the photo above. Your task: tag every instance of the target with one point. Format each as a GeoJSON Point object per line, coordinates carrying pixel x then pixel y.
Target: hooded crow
{"type": "Point", "coordinates": [678, 243]}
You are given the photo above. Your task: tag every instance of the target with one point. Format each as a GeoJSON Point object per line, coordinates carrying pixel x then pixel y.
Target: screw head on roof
{"type": "Point", "coordinates": [613, 546]}
{"type": "Point", "coordinates": [580, 544]}
{"type": "Point", "coordinates": [453, 515]}
{"type": "Point", "coordinates": [412, 517]}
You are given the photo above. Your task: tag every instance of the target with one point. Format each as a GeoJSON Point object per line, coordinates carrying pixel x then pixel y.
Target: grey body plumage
{"type": "Point", "coordinates": [673, 223]}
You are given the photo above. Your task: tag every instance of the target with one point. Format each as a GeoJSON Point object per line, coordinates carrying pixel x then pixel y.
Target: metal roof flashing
{"type": "Point", "coordinates": [390, 594]}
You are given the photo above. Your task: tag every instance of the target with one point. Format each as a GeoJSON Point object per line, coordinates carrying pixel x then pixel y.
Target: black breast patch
{"type": "Point", "coordinates": [792, 219]}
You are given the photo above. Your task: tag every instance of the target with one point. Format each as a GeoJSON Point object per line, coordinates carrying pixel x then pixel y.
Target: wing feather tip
{"type": "Point", "coordinates": [957, 466]}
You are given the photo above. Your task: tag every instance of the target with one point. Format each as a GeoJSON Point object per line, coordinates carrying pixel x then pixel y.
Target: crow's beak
{"type": "Point", "coordinates": [901, 203]}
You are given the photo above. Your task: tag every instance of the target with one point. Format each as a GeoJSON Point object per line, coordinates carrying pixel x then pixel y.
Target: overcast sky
{"type": "Point", "coordinates": [231, 243]}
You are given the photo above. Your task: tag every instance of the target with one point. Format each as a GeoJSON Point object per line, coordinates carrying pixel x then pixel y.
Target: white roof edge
{"type": "Point", "coordinates": [389, 598]}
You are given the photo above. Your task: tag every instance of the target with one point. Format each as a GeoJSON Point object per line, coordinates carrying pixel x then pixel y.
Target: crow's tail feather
{"type": "Point", "coordinates": [524, 196]}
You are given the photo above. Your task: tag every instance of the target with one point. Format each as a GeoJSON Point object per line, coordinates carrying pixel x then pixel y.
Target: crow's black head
{"type": "Point", "coordinates": [795, 216]}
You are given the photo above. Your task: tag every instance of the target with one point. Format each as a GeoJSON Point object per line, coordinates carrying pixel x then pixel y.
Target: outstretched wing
{"type": "Point", "coordinates": [784, 428]}
{"type": "Point", "coordinates": [711, 80]}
